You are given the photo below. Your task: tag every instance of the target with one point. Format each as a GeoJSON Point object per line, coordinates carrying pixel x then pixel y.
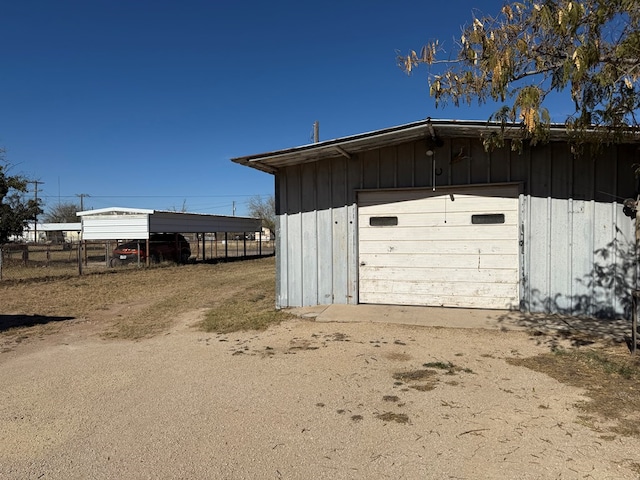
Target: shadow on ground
{"type": "Point", "coordinates": [577, 330]}
{"type": "Point", "coordinates": [13, 321]}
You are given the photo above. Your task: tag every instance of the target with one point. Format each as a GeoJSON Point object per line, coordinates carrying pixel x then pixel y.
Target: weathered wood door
{"type": "Point", "coordinates": [455, 247]}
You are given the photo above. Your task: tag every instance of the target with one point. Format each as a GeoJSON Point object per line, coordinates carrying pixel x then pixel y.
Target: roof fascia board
{"type": "Point", "coordinates": [114, 210]}
{"type": "Point", "coordinates": [346, 146]}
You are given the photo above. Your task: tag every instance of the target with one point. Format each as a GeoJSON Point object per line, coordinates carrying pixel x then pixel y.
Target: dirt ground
{"type": "Point", "coordinates": [300, 400]}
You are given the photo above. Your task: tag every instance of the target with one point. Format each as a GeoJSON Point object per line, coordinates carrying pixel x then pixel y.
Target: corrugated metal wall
{"type": "Point", "coordinates": [578, 244]}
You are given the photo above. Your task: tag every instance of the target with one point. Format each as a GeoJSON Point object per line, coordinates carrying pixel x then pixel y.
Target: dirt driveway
{"type": "Point", "coordinates": [302, 400]}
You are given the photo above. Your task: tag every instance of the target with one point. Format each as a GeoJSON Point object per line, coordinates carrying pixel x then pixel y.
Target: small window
{"type": "Point", "coordinates": [383, 221]}
{"type": "Point", "coordinates": [487, 219]}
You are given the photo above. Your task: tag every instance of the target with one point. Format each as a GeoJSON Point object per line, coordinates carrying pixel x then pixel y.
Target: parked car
{"type": "Point", "coordinates": [162, 247]}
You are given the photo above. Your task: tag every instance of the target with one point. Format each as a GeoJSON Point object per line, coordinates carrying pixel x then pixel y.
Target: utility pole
{"type": "Point", "coordinates": [35, 219]}
{"type": "Point", "coordinates": [82, 195]}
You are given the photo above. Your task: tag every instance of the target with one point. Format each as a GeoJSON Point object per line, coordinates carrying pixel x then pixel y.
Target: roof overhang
{"type": "Point", "coordinates": [116, 223]}
{"type": "Point", "coordinates": [115, 211]}
{"type": "Point", "coordinates": [270, 162]}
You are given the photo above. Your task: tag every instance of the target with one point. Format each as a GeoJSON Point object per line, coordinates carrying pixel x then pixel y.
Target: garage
{"type": "Point", "coordinates": [449, 247]}
{"type": "Point", "coordinates": [425, 214]}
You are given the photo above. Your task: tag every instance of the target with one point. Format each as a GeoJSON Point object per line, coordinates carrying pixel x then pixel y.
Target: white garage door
{"type": "Point", "coordinates": [456, 247]}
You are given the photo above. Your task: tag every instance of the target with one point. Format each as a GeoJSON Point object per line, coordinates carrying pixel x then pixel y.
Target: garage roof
{"type": "Point", "coordinates": [117, 223]}
{"type": "Point", "coordinates": [346, 146]}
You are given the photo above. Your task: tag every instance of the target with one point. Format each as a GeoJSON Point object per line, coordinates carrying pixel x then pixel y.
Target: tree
{"type": "Point", "coordinates": [535, 47]}
{"type": "Point", "coordinates": [15, 210]}
{"type": "Point", "coordinates": [62, 213]}
{"type": "Point", "coordinates": [265, 209]}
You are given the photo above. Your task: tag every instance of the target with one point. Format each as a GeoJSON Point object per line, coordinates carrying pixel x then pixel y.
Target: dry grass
{"type": "Point", "coordinates": [135, 303]}
{"type": "Point", "coordinates": [611, 378]}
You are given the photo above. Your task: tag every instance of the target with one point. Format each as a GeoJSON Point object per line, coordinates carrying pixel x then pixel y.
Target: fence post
{"type": "Point", "coordinates": [634, 321]}
{"type": "Point", "coordinates": [80, 258]}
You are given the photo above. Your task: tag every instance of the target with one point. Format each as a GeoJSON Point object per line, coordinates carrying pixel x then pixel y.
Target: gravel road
{"type": "Point", "coordinates": [303, 400]}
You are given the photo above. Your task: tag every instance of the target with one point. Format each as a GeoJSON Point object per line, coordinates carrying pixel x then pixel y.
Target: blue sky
{"type": "Point", "coordinates": [142, 103]}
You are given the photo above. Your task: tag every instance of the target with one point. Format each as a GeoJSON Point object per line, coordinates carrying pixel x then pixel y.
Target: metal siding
{"type": "Point", "coordinates": [388, 165]}
{"type": "Point", "coordinates": [354, 184]}
{"type": "Point", "coordinates": [175, 222]}
{"type": "Point", "coordinates": [295, 245]}
{"type": "Point", "coordinates": [325, 244]}
{"type": "Point", "coordinates": [309, 189]}
{"type": "Point", "coordinates": [422, 167]}
{"type": "Point", "coordinates": [480, 167]}
{"type": "Point", "coordinates": [370, 173]}
{"type": "Point", "coordinates": [575, 234]}
{"type": "Point", "coordinates": [282, 242]}
{"type": "Point", "coordinates": [560, 280]}
{"type": "Point", "coordinates": [340, 232]}
{"type": "Point", "coordinates": [114, 227]}
{"type": "Point", "coordinates": [406, 165]}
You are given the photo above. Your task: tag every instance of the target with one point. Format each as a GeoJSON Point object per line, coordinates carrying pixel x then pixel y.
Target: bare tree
{"type": "Point", "coordinates": [62, 213]}
{"type": "Point", "coordinates": [265, 209]}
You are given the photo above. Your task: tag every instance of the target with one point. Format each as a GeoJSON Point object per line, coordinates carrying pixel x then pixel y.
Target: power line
{"type": "Point", "coordinates": [82, 195]}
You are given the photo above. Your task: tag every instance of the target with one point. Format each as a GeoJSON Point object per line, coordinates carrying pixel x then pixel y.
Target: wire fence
{"type": "Point", "coordinates": [40, 260]}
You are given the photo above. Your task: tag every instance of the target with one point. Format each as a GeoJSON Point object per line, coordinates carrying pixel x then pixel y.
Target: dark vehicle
{"type": "Point", "coordinates": [162, 247]}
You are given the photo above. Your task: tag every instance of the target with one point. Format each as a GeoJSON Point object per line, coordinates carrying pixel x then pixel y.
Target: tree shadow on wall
{"type": "Point", "coordinates": [602, 312]}
{"type": "Point", "coordinates": [13, 321]}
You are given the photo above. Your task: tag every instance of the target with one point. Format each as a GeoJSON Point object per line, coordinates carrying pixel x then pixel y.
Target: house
{"type": "Point", "coordinates": [51, 232]}
{"type": "Point", "coordinates": [421, 214]}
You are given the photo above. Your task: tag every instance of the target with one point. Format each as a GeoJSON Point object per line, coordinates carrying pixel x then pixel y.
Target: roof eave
{"type": "Point", "coordinates": [270, 162]}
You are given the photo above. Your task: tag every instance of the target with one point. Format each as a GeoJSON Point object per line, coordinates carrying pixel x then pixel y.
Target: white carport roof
{"type": "Point", "coordinates": [117, 223]}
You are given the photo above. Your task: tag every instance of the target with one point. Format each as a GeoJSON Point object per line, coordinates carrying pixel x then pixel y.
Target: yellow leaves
{"type": "Point", "coordinates": [435, 86]}
{"type": "Point", "coordinates": [576, 60]}
{"type": "Point", "coordinates": [477, 25]}
{"type": "Point", "coordinates": [528, 117]}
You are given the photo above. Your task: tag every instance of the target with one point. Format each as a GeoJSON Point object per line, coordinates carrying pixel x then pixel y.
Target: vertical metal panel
{"type": "Point", "coordinates": [388, 167]}
{"type": "Point", "coordinates": [370, 172]}
{"type": "Point", "coordinates": [421, 165]}
{"type": "Point", "coordinates": [479, 171]}
{"type": "Point", "coordinates": [519, 164]}
{"type": "Point", "coordinates": [406, 165]}
{"type": "Point", "coordinates": [459, 163]}
{"type": "Point", "coordinates": [309, 226]}
{"type": "Point", "coordinates": [282, 246]}
{"type": "Point", "coordinates": [353, 184]}
{"type": "Point", "coordinates": [538, 231]}
{"type": "Point", "coordinates": [340, 229]}
{"type": "Point", "coordinates": [295, 245]}
{"type": "Point", "coordinates": [581, 259]}
{"type": "Point", "coordinates": [325, 231]}
{"type": "Point", "coordinates": [560, 230]}
{"type": "Point", "coordinates": [499, 165]}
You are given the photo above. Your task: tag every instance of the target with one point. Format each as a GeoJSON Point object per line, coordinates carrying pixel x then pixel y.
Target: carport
{"type": "Point", "coordinates": [119, 223]}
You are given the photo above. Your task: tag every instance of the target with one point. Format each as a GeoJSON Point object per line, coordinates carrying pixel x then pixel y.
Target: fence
{"type": "Point", "coordinates": [22, 261]}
